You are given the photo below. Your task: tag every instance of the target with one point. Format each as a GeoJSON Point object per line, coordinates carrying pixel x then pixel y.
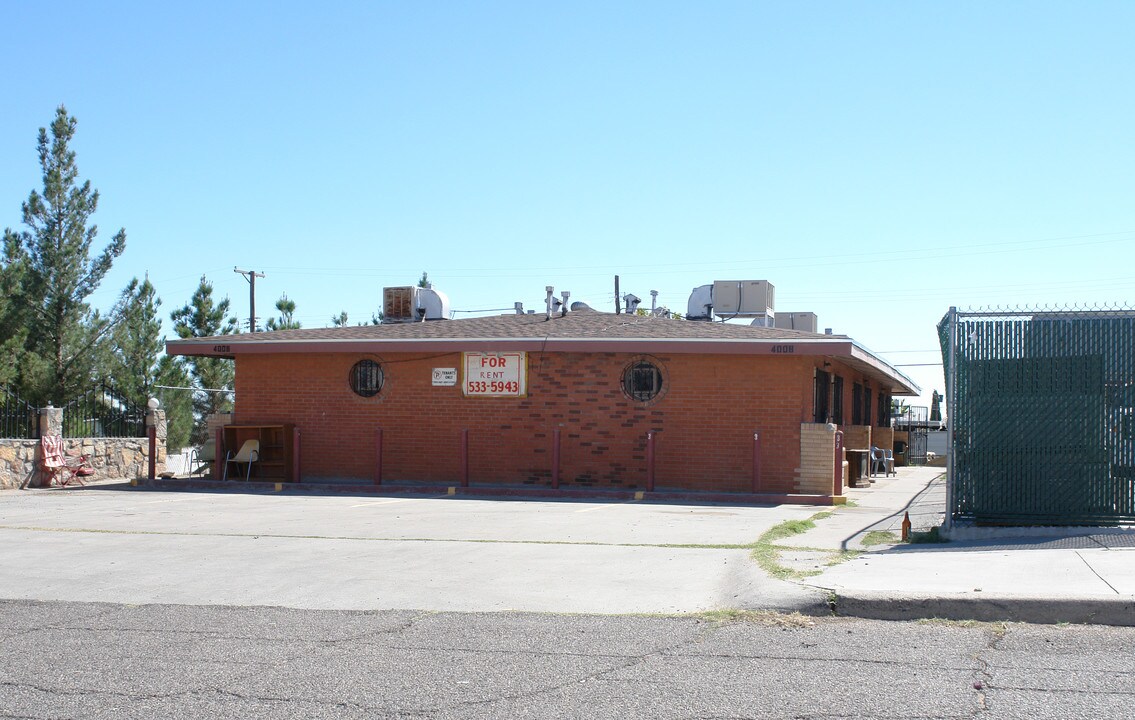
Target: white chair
{"type": "Point", "coordinates": [878, 461]}
{"type": "Point", "coordinates": [249, 453]}
{"type": "Point", "coordinates": [201, 459]}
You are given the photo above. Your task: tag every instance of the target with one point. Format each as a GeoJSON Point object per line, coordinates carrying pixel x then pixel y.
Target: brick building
{"type": "Point", "coordinates": [489, 398]}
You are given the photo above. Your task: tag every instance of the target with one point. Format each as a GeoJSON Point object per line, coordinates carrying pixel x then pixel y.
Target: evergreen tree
{"type": "Point", "coordinates": [55, 273]}
{"type": "Point", "coordinates": [136, 361]}
{"type": "Point", "coordinates": [936, 407]}
{"type": "Point", "coordinates": [339, 320]}
{"type": "Point", "coordinates": [202, 318]}
{"type": "Point", "coordinates": [136, 342]}
{"type": "Point", "coordinates": [13, 319]}
{"type": "Point", "coordinates": [178, 403]}
{"type": "Point", "coordinates": [287, 310]}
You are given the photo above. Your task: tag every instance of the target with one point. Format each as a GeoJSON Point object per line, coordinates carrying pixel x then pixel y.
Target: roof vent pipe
{"type": "Point", "coordinates": [548, 301]}
{"type": "Point", "coordinates": [653, 301]}
{"type": "Point", "coordinates": [519, 307]}
{"type": "Point", "coordinates": [564, 309]}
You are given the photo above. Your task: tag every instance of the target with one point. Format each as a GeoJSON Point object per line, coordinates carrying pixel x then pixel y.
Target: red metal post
{"type": "Point", "coordinates": [152, 434]}
{"type": "Point", "coordinates": [756, 462]}
{"type": "Point", "coordinates": [378, 456]}
{"type": "Point", "coordinates": [837, 480]}
{"type": "Point", "coordinates": [218, 453]}
{"type": "Point", "coordinates": [465, 458]}
{"type": "Point", "coordinates": [555, 457]}
{"type": "Point", "coordinates": [650, 461]}
{"type": "Point", "coordinates": [295, 454]}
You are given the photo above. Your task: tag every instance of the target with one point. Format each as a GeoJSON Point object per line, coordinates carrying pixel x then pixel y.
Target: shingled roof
{"type": "Point", "coordinates": [579, 331]}
{"type": "Point", "coordinates": [579, 324]}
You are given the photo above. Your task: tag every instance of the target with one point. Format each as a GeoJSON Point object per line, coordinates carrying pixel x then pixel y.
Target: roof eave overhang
{"type": "Point", "coordinates": [900, 383]}
{"type": "Point", "coordinates": [215, 347]}
{"type": "Point", "coordinates": [805, 346]}
{"type": "Point", "coordinates": [842, 347]}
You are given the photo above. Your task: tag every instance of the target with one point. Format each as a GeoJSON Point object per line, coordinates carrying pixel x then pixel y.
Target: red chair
{"type": "Point", "coordinates": [58, 466]}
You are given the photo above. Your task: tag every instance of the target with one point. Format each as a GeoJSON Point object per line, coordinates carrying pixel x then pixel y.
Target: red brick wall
{"type": "Point", "coordinates": [706, 416]}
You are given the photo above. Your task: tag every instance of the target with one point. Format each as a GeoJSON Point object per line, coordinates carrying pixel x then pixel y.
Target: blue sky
{"type": "Point", "coordinates": [877, 162]}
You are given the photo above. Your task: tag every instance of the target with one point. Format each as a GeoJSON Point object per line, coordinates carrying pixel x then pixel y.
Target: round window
{"type": "Point", "coordinates": [366, 378]}
{"type": "Point", "coordinates": [642, 381]}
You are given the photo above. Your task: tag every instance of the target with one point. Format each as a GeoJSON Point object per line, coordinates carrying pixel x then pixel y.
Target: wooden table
{"type": "Point", "coordinates": [858, 469]}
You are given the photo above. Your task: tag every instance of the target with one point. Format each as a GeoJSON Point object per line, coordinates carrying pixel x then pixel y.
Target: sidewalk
{"type": "Point", "coordinates": [1062, 577]}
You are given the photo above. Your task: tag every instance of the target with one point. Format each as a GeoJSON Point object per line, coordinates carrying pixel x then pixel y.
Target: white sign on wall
{"type": "Point", "coordinates": [502, 374]}
{"type": "Point", "coordinates": [445, 377]}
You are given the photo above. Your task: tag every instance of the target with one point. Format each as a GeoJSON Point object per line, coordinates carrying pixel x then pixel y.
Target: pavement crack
{"type": "Point", "coordinates": [983, 673]}
{"type": "Point", "coordinates": [596, 675]}
{"type": "Point", "coordinates": [1101, 577]}
{"type": "Point", "coordinates": [377, 539]}
{"type": "Point", "coordinates": [60, 625]}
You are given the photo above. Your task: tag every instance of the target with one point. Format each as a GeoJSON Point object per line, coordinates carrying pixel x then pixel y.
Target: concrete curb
{"type": "Point", "coordinates": [483, 491]}
{"type": "Point", "coordinates": [1084, 610]}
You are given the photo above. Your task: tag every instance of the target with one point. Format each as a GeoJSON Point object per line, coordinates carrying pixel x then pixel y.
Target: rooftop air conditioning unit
{"type": "Point", "coordinates": [412, 304]}
{"type": "Point", "coordinates": [700, 305]}
{"type": "Point", "coordinates": [743, 298]}
{"type": "Point", "coordinates": [398, 304]}
{"type": "Point", "coordinates": [806, 321]}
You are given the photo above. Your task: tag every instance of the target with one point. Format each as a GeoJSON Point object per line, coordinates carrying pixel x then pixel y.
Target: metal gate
{"type": "Point", "coordinates": [919, 417]}
{"type": "Point", "coordinates": [1040, 410]}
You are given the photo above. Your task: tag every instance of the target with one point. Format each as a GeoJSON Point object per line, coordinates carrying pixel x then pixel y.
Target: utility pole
{"type": "Point", "coordinates": [250, 276]}
{"type": "Point", "coordinates": [618, 300]}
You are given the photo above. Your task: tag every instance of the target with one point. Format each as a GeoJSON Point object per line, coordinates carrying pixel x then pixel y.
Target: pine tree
{"type": "Point", "coordinates": [13, 317]}
{"type": "Point", "coordinates": [178, 402]}
{"type": "Point", "coordinates": [287, 310]}
{"type": "Point", "coordinates": [136, 342]}
{"type": "Point", "coordinates": [135, 360]}
{"type": "Point", "coordinates": [202, 318]}
{"type": "Point", "coordinates": [57, 273]}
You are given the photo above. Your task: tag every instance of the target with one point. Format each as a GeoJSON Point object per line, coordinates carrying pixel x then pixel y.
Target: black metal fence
{"type": "Point", "coordinates": [18, 419]}
{"type": "Point", "coordinates": [103, 412]}
{"type": "Point", "coordinates": [914, 421]}
{"type": "Point", "coordinates": [1041, 416]}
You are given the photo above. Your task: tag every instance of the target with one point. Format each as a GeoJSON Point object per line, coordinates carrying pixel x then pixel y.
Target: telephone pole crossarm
{"type": "Point", "coordinates": [250, 276]}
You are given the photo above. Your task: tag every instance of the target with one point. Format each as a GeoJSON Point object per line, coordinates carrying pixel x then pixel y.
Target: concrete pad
{"type": "Point", "coordinates": [1021, 585]}
{"type": "Point", "coordinates": [370, 553]}
{"type": "Point", "coordinates": [398, 517]}
{"type": "Point", "coordinates": [1116, 567]}
{"type": "Point", "coordinates": [1041, 573]}
{"type": "Point", "coordinates": [880, 507]}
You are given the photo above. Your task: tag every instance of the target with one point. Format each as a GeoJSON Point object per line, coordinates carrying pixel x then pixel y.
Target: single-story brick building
{"type": "Point", "coordinates": [585, 398]}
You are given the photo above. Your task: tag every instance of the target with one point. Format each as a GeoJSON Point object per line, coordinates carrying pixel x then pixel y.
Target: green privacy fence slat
{"type": "Point", "coordinates": [1042, 416]}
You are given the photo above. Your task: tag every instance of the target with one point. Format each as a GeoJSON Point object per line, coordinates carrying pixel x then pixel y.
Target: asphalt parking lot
{"type": "Point", "coordinates": [114, 543]}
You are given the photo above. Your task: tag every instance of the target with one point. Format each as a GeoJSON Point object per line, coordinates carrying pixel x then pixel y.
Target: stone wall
{"type": "Point", "coordinates": [112, 458]}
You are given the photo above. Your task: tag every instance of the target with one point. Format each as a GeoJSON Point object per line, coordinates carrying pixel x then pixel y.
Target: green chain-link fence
{"type": "Point", "coordinates": [1041, 415]}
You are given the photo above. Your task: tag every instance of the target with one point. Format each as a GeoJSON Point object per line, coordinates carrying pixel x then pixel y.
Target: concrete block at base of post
{"type": "Point", "coordinates": [815, 473]}
{"type": "Point", "coordinates": [156, 418]}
